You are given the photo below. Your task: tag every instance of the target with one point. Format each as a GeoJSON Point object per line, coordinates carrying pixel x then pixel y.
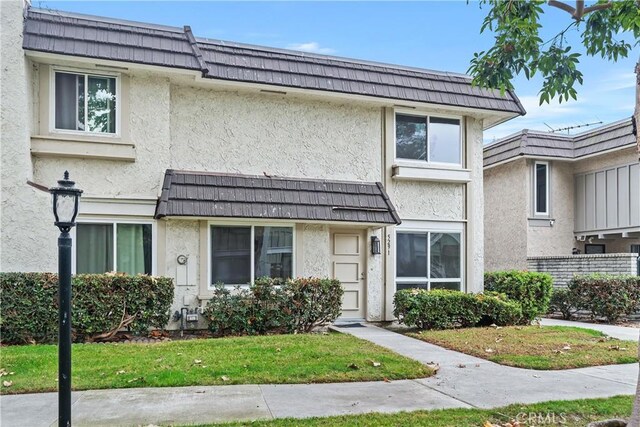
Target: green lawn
{"type": "Point", "coordinates": [280, 359]}
{"type": "Point", "coordinates": [535, 347]}
{"type": "Point", "coordinates": [572, 413]}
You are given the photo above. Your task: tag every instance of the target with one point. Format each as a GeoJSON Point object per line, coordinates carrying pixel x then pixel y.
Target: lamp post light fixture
{"type": "Point", "coordinates": [65, 210]}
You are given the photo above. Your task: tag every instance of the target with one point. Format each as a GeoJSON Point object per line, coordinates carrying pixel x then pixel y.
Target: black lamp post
{"type": "Point", "coordinates": [65, 210]}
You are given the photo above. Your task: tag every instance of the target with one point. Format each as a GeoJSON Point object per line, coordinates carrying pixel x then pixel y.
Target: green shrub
{"type": "Point", "coordinates": [436, 309]}
{"type": "Point", "coordinates": [563, 301]}
{"type": "Point", "coordinates": [99, 303]}
{"type": "Point", "coordinates": [608, 296]}
{"type": "Point", "coordinates": [497, 309]}
{"type": "Point", "coordinates": [444, 309]}
{"type": "Point", "coordinates": [532, 290]}
{"type": "Point", "coordinates": [274, 306]}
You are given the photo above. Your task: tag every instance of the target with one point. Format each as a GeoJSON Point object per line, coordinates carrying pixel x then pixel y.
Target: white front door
{"type": "Point", "coordinates": [348, 266]}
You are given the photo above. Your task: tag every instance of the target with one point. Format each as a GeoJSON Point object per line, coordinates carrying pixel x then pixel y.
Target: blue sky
{"type": "Point", "coordinates": [440, 35]}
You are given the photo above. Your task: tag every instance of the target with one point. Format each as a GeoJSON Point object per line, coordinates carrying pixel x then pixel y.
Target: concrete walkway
{"type": "Point", "coordinates": [462, 382]}
{"type": "Point", "coordinates": [620, 332]}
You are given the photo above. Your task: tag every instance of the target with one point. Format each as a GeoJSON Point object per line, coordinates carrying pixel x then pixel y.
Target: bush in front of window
{"type": "Point", "coordinates": [606, 296]}
{"type": "Point", "coordinates": [273, 306]}
{"type": "Point", "coordinates": [531, 289]}
{"type": "Point", "coordinates": [101, 302]}
{"type": "Point", "coordinates": [446, 309]}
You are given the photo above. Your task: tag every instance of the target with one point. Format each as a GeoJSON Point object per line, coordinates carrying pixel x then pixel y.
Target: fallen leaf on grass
{"type": "Point", "coordinates": [225, 378]}
{"type": "Point", "coordinates": [197, 361]}
{"type": "Point", "coordinates": [386, 380]}
{"type": "Point", "coordinates": [566, 347]}
{"type": "Point", "coordinates": [120, 372]}
{"type": "Point", "coordinates": [374, 363]}
{"type": "Point", "coordinates": [7, 383]}
{"type": "Point", "coordinates": [489, 350]}
{"type": "Point", "coordinates": [136, 379]}
{"type": "Point", "coordinates": [498, 340]}
{"type": "Point", "coordinates": [353, 366]}
{"type": "Point", "coordinates": [278, 349]}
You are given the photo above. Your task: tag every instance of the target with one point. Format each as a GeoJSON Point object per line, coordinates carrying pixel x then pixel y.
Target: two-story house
{"type": "Point", "coordinates": [554, 195]}
{"type": "Point", "coordinates": [217, 162]}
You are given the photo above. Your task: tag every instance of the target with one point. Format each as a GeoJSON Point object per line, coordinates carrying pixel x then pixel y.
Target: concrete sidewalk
{"type": "Point", "coordinates": [620, 332]}
{"type": "Point", "coordinates": [462, 382]}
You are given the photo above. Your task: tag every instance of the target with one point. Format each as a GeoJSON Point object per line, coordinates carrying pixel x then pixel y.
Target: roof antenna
{"type": "Point", "coordinates": [550, 128]}
{"type": "Point", "coordinates": [568, 128]}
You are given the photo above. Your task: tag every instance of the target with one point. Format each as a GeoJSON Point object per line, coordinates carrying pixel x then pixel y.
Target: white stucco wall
{"type": "Point", "coordinates": [28, 238]}
{"type": "Point", "coordinates": [427, 200]}
{"type": "Point", "coordinates": [505, 219]}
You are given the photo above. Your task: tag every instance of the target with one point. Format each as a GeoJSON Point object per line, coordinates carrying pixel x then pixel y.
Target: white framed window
{"type": "Point", "coordinates": [240, 253]}
{"type": "Point", "coordinates": [430, 139]}
{"type": "Point", "coordinates": [429, 258]}
{"type": "Point", "coordinates": [541, 188]}
{"type": "Point", "coordinates": [102, 246]}
{"type": "Point", "coordinates": [85, 103]}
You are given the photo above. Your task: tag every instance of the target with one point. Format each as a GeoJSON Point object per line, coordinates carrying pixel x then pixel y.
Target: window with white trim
{"type": "Point", "coordinates": [541, 188]}
{"type": "Point", "coordinates": [428, 260]}
{"type": "Point", "coordinates": [241, 253]}
{"type": "Point", "coordinates": [428, 138]}
{"type": "Point", "coordinates": [112, 246]}
{"type": "Point", "coordinates": [85, 102]}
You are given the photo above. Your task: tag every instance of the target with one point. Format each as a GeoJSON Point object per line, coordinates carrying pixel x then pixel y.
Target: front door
{"type": "Point", "coordinates": [348, 266]}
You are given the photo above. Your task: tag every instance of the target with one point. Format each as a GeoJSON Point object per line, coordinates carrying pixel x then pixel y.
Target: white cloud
{"type": "Point", "coordinates": [618, 81]}
{"type": "Point", "coordinates": [313, 47]}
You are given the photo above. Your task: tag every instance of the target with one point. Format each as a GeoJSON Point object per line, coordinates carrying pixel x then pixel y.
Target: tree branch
{"type": "Point", "coordinates": [595, 7]}
{"type": "Point", "coordinates": [563, 6]}
{"type": "Point", "coordinates": [579, 9]}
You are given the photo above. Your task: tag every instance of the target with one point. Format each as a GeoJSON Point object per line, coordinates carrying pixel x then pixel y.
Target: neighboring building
{"type": "Point", "coordinates": [552, 195]}
{"type": "Point", "coordinates": [210, 161]}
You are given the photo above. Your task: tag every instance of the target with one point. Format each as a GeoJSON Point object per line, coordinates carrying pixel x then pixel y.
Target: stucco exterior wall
{"type": "Point", "coordinates": [23, 207]}
{"type": "Point", "coordinates": [428, 200]}
{"type": "Point", "coordinates": [256, 134]}
{"type": "Point", "coordinates": [505, 219]}
{"type": "Point", "coordinates": [316, 251]}
{"type": "Point", "coordinates": [543, 238]}
{"type": "Point", "coordinates": [475, 207]}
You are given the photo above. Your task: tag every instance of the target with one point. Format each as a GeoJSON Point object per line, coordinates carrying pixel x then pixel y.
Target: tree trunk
{"type": "Point", "coordinates": [635, 416]}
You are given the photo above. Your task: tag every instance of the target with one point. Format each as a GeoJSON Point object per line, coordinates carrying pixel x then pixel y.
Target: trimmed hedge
{"type": "Point", "coordinates": [532, 290]}
{"type": "Point", "coordinates": [563, 302]}
{"type": "Point", "coordinates": [29, 305]}
{"type": "Point", "coordinates": [274, 306]}
{"type": "Point", "coordinates": [608, 296]}
{"type": "Point", "coordinates": [445, 309]}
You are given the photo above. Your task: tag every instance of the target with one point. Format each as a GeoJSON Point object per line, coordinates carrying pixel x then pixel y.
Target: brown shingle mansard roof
{"type": "Point", "coordinates": [205, 194]}
{"type": "Point", "coordinates": [564, 147]}
{"type": "Point", "coordinates": [112, 39]}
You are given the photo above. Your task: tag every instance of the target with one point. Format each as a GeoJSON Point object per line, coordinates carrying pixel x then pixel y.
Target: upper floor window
{"type": "Point", "coordinates": [122, 247]}
{"type": "Point", "coordinates": [429, 139]}
{"type": "Point", "coordinates": [541, 188]}
{"type": "Point", "coordinates": [85, 102]}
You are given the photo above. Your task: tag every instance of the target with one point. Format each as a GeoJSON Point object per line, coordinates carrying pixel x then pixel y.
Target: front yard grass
{"type": "Point", "coordinates": [535, 347]}
{"type": "Point", "coordinates": [571, 413]}
{"type": "Point", "coordinates": [275, 359]}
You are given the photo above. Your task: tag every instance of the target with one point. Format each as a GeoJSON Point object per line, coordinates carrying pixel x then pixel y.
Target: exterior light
{"type": "Point", "coordinates": [65, 210]}
{"type": "Point", "coordinates": [375, 245]}
{"type": "Point", "coordinates": [65, 203]}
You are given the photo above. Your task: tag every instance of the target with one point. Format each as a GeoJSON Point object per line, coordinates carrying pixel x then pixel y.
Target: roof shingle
{"type": "Point", "coordinates": [110, 39]}
{"type": "Point", "coordinates": [206, 194]}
